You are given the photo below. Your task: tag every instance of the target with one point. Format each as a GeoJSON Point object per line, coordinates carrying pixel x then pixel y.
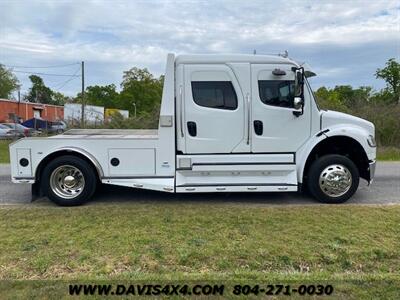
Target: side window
{"type": "Point", "coordinates": [215, 94]}
{"type": "Point", "coordinates": [277, 92]}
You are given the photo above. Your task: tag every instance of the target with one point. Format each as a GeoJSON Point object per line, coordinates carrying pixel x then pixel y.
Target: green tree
{"type": "Point", "coordinates": [343, 97]}
{"type": "Point", "coordinates": [140, 88]}
{"type": "Point", "coordinates": [8, 82]}
{"type": "Point", "coordinates": [383, 97]}
{"type": "Point", "coordinates": [60, 99]}
{"type": "Point", "coordinates": [330, 99]}
{"type": "Point", "coordinates": [106, 96]}
{"type": "Point", "coordinates": [391, 74]}
{"type": "Point", "coordinates": [39, 92]}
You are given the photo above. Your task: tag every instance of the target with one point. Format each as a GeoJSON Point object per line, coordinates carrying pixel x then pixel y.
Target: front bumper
{"type": "Point", "coordinates": [371, 170]}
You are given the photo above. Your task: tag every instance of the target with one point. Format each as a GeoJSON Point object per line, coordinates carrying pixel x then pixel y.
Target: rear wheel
{"type": "Point", "coordinates": [69, 181]}
{"type": "Point", "coordinates": [333, 179]}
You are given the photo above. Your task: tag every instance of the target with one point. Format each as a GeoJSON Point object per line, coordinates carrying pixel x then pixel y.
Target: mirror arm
{"type": "Point", "coordinates": [299, 113]}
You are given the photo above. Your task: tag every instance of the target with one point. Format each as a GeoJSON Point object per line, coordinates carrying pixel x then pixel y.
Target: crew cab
{"type": "Point", "coordinates": [228, 123]}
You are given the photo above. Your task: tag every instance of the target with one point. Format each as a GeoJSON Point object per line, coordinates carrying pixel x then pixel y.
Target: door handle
{"type": "Point", "coordinates": [258, 127]}
{"type": "Point", "coordinates": [192, 128]}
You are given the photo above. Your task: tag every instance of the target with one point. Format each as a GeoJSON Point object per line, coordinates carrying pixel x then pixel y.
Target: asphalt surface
{"type": "Point", "coordinates": [384, 190]}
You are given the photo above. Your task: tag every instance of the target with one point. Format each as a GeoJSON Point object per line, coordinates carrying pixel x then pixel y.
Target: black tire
{"type": "Point", "coordinates": [319, 165]}
{"type": "Point", "coordinates": [89, 175]}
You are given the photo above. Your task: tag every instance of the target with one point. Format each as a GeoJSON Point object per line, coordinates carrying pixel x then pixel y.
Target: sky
{"type": "Point", "coordinates": [343, 41]}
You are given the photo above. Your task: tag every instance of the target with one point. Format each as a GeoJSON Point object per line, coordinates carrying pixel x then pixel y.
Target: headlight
{"type": "Point", "coordinates": [371, 141]}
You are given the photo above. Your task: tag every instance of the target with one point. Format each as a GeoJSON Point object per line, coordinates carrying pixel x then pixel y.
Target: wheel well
{"type": "Point", "coordinates": [341, 145]}
{"type": "Point", "coordinates": [56, 154]}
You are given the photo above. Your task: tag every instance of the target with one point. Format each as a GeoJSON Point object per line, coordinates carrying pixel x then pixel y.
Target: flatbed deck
{"type": "Point", "coordinates": [108, 133]}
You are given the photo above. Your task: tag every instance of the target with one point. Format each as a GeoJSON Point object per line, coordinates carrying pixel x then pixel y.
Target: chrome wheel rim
{"type": "Point", "coordinates": [335, 180]}
{"type": "Point", "coordinates": [67, 182]}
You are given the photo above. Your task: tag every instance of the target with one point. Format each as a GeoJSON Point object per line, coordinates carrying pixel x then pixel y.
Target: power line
{"type": "Point", "coordinates": [45, 74]}
{"type": "Point", "coordinates": [58, 89]}
{"type": "Point", "coordinates": [62, 84]}
{"type": "Point", "coordinates": [42, 67]}
{"type": "Point", "coordinates": [58, 86]}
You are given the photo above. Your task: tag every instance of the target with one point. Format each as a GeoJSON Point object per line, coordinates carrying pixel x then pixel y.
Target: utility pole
{"type": "Point", "coordinates": [19, 100]}
{"type": "Point", "coordinates": [83, 95]}
{"type": "Point", "coordinates": [134, 106]}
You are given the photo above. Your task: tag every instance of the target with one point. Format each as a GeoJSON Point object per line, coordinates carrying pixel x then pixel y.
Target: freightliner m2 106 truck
{"type": "Point", "coordinates": [228, 123]}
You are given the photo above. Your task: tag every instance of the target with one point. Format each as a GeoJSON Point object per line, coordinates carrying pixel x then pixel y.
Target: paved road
{"type": "Point", "coordinates": [385, 190]}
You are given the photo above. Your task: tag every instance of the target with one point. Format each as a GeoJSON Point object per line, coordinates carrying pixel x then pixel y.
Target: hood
{"type": "Point", "coordinates": [331, 118]}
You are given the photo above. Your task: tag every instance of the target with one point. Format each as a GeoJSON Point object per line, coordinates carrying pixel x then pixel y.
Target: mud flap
{"type": "Point", "coordinates": [36, 191]}
{"type": "Point", "coordinates": [371, 172]}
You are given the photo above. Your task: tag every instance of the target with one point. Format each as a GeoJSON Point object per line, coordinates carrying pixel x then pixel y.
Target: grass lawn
{"type": "Point", "coordinates": [354, 248]}
{"type": "Point", "coordinates": [388, 153]}
{"type": "Point", "coordinates": [4, 152]}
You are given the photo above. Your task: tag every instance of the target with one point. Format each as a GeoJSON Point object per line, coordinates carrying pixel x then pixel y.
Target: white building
{"type": "Point", "coordinates": [93, 114]}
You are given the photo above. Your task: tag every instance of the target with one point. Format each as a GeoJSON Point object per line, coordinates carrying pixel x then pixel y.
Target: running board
{"type": "Point", "coordinates": [164, 184]}
{"type": "Point", "coordinates": [235, 188]}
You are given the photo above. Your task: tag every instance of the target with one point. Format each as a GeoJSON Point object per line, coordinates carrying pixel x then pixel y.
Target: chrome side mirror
{"type": "Point", "coordinates": [298, 103]}
{"type": "Point", "coordinates": [298, 82]}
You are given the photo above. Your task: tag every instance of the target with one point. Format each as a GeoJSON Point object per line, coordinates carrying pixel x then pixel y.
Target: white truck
{"type": "Point", "coordinates": [228, 123]}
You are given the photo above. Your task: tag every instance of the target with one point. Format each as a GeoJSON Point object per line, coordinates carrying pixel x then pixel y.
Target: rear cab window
{"type": "Point", "coordinates": [214, 94]}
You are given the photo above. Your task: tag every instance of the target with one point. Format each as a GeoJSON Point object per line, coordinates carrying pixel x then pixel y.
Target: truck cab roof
{"type": "Point", "coordinates": [232, 58]}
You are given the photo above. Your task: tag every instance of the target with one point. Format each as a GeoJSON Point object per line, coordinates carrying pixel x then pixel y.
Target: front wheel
{"type": "Point", "coordinates": [333, 179]}
{"type": "Point", "coordinates": [68, 181]}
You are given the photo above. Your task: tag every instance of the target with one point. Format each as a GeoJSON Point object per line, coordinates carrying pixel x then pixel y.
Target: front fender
{"type": "Point", "coordinates": [304, 152]}
{"type": "Point", "coordinates": [356, 133]}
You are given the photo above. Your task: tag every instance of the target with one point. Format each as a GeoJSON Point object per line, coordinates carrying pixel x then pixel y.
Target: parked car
{"type": "Point", "coordinates": [42, 125]}
{"type": "Point", "coordinates": [21, 130]}
{"type": "Point", "coordinates": [228, 123]}
{"type": "Point", "coordinates": [6, 132]}
{"type": "Point", "coordinates": [57, 127]}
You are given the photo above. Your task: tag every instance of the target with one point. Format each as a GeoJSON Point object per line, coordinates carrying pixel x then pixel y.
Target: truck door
{"type": "Point", "coordinates": [274, 126]}
{"type": "Point", "coordinates": [213, 118]}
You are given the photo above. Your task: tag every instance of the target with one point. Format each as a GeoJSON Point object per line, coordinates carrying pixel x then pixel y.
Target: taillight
{"type": "Point", "coordinates": [26, 132]}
